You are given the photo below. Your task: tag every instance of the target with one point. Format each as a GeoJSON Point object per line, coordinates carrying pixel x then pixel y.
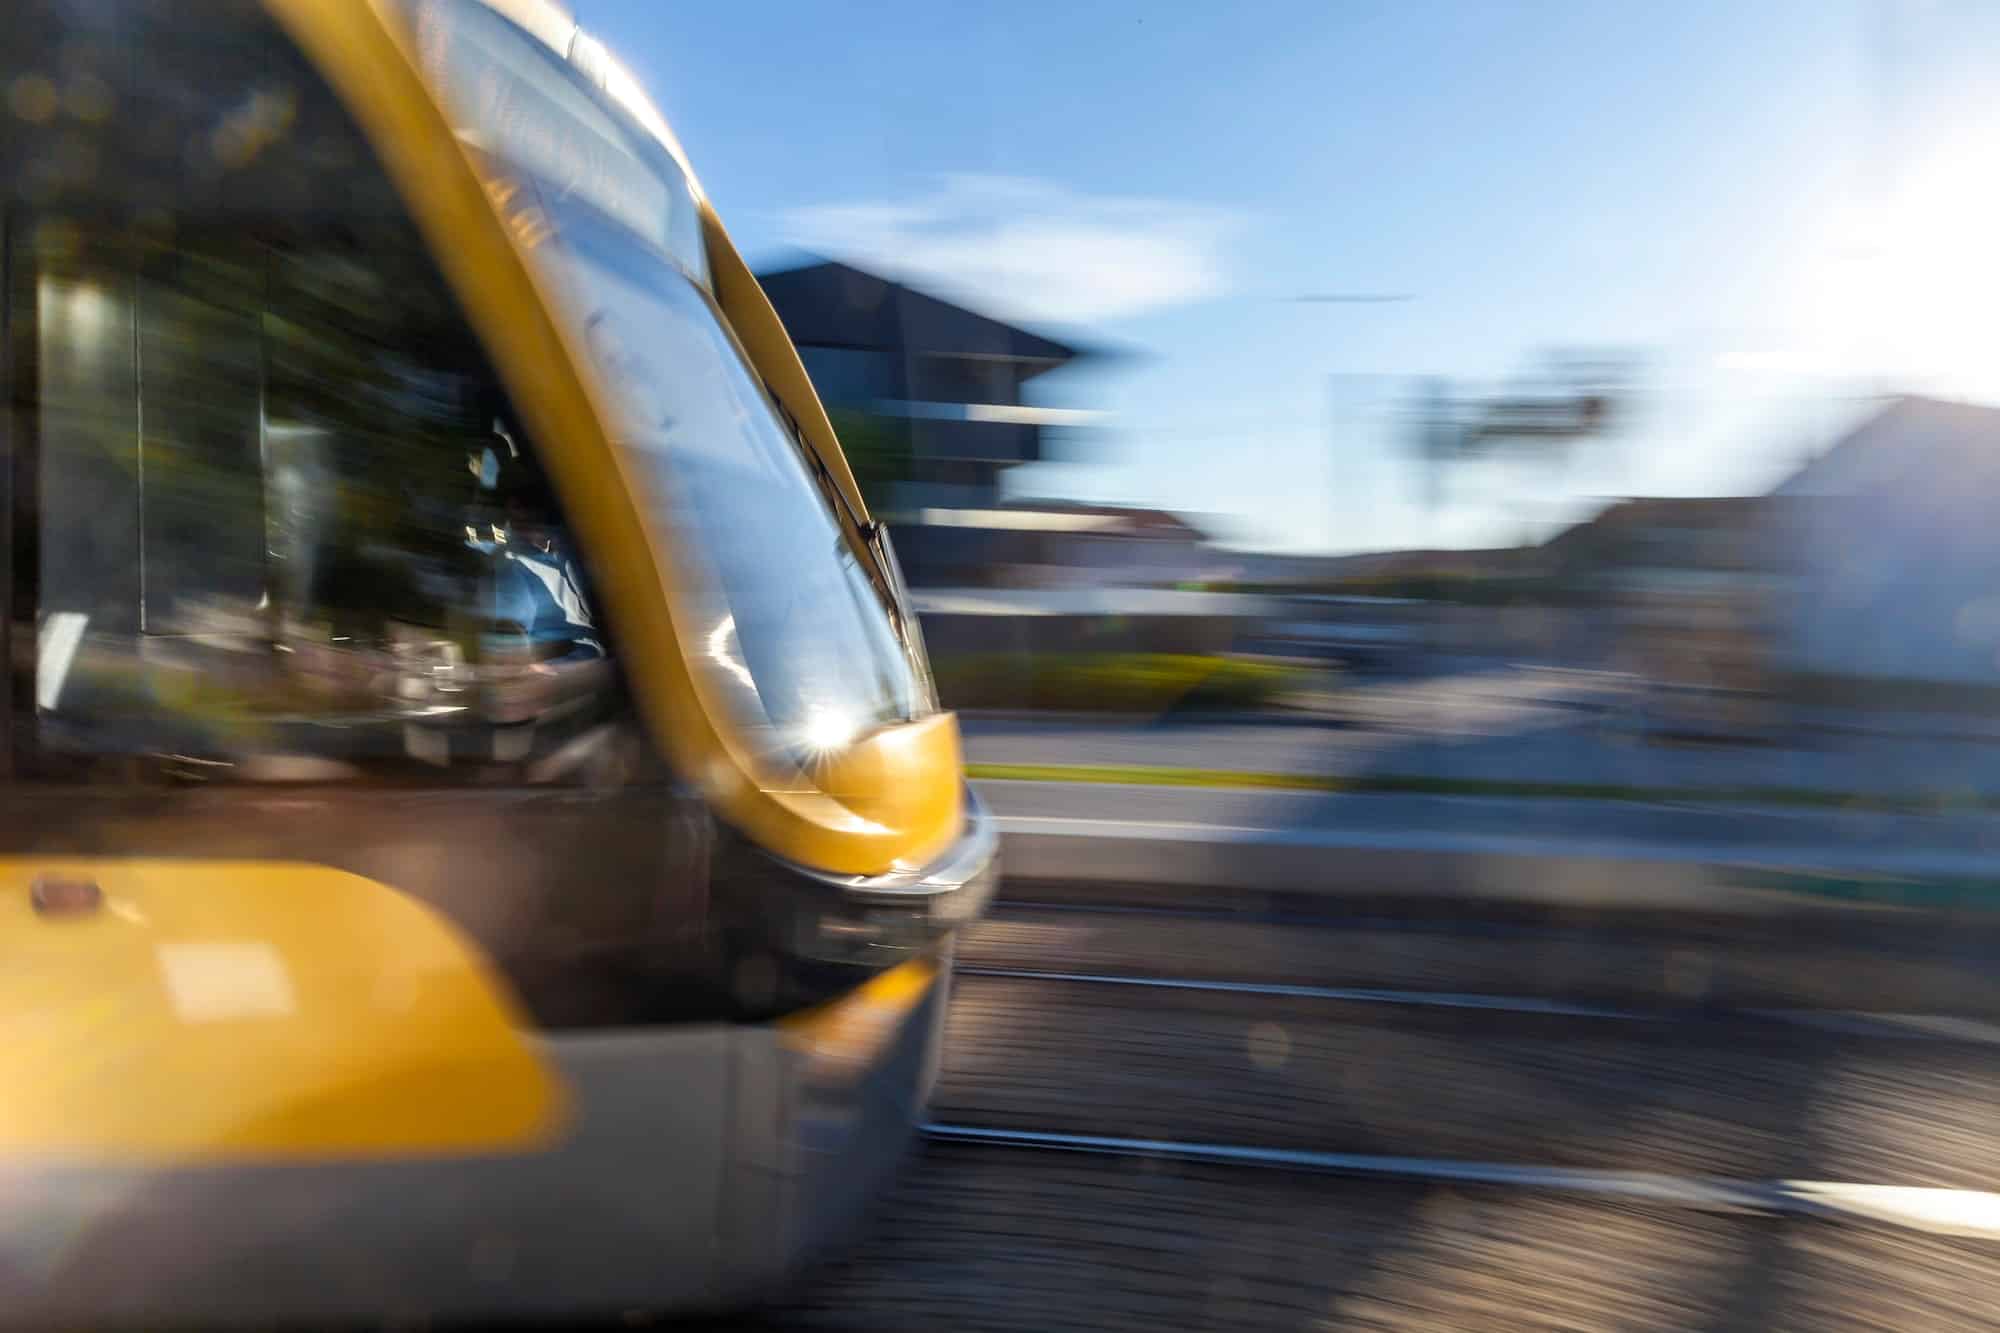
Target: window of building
{"type": "Point", "coordinates": [849, 376]}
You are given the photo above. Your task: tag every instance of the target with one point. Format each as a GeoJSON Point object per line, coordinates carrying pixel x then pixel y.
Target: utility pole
{"type": "Point", "coordinates": [1336, 379]}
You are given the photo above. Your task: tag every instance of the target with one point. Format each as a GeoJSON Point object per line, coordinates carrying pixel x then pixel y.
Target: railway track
{"type": "Point", "coordinates": [1350, 1074]}
{"type": "Point", "coordinates": [1888, 1026]}
{"type": "Point", "coordinates": [1896, 932]}
{"type": "Point", "coordinates": [1890, 964]}
{"type": "Point", "coordinates": [1156, 1118]}
{"type": "Point", "coordinates": [996, 1238]}
{"type": "Point", "coordinates": [1170, 1111]}
{"type": "Point", "coordinates": [1974, 1214]}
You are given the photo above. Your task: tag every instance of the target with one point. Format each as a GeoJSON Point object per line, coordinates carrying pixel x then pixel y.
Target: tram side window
{"type": "Point", "coordinates": [285, 511]}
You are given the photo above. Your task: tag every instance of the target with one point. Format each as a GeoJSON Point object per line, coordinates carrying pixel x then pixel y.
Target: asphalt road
{"type": "Point", "coordinates": [1512, 725]}
{"type": "Point", "coordinates": [1398, 818]}
{"type": "Point", "coordinates": [1050, 817]}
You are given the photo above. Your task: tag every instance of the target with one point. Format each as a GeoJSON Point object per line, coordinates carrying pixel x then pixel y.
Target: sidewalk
{"type": "Point", "coordinates": [1586, 854]}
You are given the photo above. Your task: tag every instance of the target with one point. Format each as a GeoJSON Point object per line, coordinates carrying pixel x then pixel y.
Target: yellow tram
{"type": "Point", "coordinates": [479, 835]}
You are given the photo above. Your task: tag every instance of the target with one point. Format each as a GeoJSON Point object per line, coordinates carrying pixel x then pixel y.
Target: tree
{"type": "Point", "coordinates": [1574, 396]}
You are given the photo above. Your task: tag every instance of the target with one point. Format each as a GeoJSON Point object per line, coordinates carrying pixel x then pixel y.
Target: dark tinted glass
{"type": "Point", "coordinates": [287, 522]}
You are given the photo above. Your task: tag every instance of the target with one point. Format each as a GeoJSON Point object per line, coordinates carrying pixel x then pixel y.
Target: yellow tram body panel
{"type": "Point", "coordinates": [896, 795]}
{"type": "Point", "coordinates": [245, 1010]}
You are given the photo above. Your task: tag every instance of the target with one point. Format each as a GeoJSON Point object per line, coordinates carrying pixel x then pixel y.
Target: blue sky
{"type": "Point", "coordinates": [1745, 195]}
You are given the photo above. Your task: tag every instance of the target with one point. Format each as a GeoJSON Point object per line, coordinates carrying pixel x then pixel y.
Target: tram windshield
{"type": "Point", "coordinates": [789, 621]}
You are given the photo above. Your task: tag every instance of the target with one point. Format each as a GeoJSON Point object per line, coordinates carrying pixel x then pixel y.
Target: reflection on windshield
{"type": "Point", "coordinates": [806, 624]}
{"type": "Point", "coordinates": [807, 636]}
{"type": "Point", "coordinates": [283, 511]}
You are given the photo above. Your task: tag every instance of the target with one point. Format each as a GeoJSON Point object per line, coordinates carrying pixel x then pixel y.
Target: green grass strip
{"type": "Point", "coordinates": [1168, 776]}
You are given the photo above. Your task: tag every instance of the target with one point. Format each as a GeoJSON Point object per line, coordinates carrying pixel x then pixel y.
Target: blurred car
{"type": "Point", "coordinates": [1360, 633]}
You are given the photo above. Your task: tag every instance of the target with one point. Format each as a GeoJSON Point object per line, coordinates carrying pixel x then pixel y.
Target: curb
{"type": "Point", "coordinates": [1749, 882]}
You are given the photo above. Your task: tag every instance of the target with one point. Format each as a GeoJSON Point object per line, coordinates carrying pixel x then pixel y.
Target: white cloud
{"type": "Point", "coordinates": [1029, 250]}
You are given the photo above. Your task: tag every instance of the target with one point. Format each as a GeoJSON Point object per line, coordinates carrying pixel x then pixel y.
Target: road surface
{"type": "Point", "coordinates": [1516, 725]}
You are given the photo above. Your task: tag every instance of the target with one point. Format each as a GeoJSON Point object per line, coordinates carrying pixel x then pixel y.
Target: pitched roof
{"type": "Point", "coordinates": [1908, 439]}
{"type": "Point", "coordinates": [831, 304]}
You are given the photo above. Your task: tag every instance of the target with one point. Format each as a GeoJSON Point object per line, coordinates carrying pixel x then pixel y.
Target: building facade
{"type": "Point", "coordinates": [928, 398]}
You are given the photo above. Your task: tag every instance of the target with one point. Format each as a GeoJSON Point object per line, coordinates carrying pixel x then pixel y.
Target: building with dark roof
{"type": "Point", "coordinates": [928, 398]}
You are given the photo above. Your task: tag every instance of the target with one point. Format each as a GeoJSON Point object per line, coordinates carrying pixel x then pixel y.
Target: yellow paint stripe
{"type": "Point", "coordinates": [849, 1033]}
{"type": "Point", "coordinates": [250, 1010]}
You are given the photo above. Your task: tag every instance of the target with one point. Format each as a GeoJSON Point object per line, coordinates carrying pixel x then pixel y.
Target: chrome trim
{"type": "Point", "coordinates": [953, 889]}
